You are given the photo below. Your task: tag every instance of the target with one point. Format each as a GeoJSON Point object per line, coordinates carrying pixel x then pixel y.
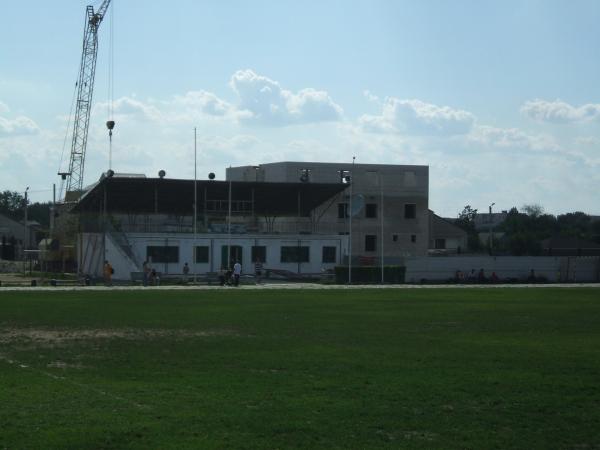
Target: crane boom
{"type": "Point", "coordinates": [85, 90]}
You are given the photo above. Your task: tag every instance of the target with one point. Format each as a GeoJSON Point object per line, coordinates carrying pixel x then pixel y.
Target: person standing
{"type": "Point", "coordinates": [237, 271]}
{"type": "Point", "coordinates": [146, 272]}
{"type": "Point", "coordinates": [108, 273]}
{"type": "Point", "coordinates": [186, 271]}
{"type": "Point", "coordinates": [258, 268]}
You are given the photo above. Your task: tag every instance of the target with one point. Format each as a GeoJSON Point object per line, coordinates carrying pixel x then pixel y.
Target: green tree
{"type": "Point", "coordinates": [11, 204]}
{"type": "Point", "coordinates": [466, 221]}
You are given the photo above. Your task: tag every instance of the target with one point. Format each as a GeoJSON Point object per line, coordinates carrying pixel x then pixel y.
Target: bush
{"type": "Point", "coordinates": [370, 274]}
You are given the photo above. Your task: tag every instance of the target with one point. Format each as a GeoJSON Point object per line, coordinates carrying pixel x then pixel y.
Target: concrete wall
{"type": "Point", "coordinates": [400, 184]}
{"type": "Point", "coordinates": [94, 249]}
{"type": "Point", "coordinates": [555, 269]}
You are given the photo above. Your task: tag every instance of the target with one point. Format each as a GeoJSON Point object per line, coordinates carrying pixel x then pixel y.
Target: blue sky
{"type": "Point", "coordinates": [500, 99]}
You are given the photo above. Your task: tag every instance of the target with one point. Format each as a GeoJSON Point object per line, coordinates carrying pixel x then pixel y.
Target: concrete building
{"type": "Point", "coordinates": [388, 203]}
{"type": "Point", "coordinates": [294, 217]}
{"type": "Point", "coordinates": [445, 237]}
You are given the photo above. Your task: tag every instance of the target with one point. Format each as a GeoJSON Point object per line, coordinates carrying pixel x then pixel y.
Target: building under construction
{"type": "Point", "coordinates": [297, 218]}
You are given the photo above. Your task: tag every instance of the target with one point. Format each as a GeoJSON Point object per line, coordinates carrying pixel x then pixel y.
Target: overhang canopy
{"type": "Point", "coordinates": [172, 196]}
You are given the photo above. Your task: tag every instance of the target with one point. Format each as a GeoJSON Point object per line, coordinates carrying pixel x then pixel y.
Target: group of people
{"type": "Point", "coordinates": [151, 277]}
{"type": "Point", "coordinates": [227, 276]}
{"type": "Point", "coordinates": [231, 276]}
{"type": "Point", "coordinates": [475, 277]}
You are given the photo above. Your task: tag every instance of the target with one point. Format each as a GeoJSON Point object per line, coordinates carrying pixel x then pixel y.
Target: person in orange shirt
{"type": "Point", "coordinates": [108, 273]}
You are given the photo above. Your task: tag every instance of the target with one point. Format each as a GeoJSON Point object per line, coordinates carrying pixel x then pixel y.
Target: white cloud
{"type": "Point", "coordinates": [415, 117]}
{"type": "Point", "coordinates": [4, 109]}
{"type": "Point", "coordinates": [267, 103]}
{"type": "Point", "coordinates": [129, 106]}
{"type": "Point", "coordinates": [588, 141]}
{"type": "Point", "coordinates": [560, 112]}
{"type": "Point", "coordinates": [206, 102]}
{"type": "Point", "coordinates": [18, 126]}
{"type": "Point", "coordinates": [511, 138]}
{"type": "Point", "coordinates": [370, 96]}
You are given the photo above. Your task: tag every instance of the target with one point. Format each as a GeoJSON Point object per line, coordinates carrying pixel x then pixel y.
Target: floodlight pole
{"type": "Point", "coordinates": [381, 212]}
{"type": "Point", "coordinates": [491, 239]}
{"type": "Point", "coordinates": [25, 220]}
{"type": "Point", "coordinates": [229, 229]}
{"type": "Point", "coordinates": [195, 208]}
{"type": "Point", "coordinates": [350, 224]}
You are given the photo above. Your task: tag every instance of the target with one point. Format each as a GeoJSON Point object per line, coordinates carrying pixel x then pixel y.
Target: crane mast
{"type": "Point", "coordinates": [85, 91]}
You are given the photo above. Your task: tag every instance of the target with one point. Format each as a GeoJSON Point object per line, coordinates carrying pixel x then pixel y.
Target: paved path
{"type": "Point", "coordinates": [297, 286]}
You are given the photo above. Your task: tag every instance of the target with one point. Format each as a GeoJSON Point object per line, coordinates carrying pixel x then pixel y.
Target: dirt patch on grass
{"type": "Point", "coordinates": [52, 337]}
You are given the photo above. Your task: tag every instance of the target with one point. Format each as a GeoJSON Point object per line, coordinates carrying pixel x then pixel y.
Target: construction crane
{"type": "Point", "coordinates": [85, 90]}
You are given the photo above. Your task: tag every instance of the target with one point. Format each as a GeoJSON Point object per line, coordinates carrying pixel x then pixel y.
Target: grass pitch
{"type": "Point", "coordinates": [472, 368]}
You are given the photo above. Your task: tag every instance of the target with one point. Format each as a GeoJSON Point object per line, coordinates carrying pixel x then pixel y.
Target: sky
{"type": "Point", "coordinates": [500, 99]}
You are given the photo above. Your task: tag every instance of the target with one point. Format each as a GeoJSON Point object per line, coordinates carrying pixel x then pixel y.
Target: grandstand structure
{"type": "Point", "coordinates": [294, 217]}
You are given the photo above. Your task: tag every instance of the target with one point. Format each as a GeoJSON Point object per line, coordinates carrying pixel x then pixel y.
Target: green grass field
{"type": "Point", "coordinates": [406, 368]}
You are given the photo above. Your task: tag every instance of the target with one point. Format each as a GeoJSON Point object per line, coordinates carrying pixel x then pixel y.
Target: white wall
{"type": "Point", "coordinates": [553, 268]}
{"type": "Point", "coordinates": [90, 261]}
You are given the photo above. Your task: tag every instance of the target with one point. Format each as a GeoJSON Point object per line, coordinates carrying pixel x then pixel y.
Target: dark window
{"type": "Point", "coordinates": [370, 243]}
{"type": "Point", "coordinates": [371, 210]}
{"type": "Point", "coordinates": [162, 254]}
{"type": "Point", "coordinates": [410, 211]}
{"type": "Point", "coordinates": [413, 238]}
{"type": "Point", "coordinates": [294, 254]}
{"type": "Point", "coordinates": [329, 254]}
{"type": "Point", "coordinates": [235, 254]}
{"type": "Point", "coordinates": [259, 252]}
{"type": "Point", "coordinates": [440, 243]}
{"type": "Point", "coordinates": [395, 237]}
{"type": "Point", "coordinates": [342, 210]}
{"type": "Point", "coordinates": [202, 254]}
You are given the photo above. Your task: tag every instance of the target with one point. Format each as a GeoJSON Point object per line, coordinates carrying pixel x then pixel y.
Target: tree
{"type": "Point", "coordinates": [11, 204]}
{"type": "Point", "coordinates": [466, 218]}
{"type": "Point", "coordinates": [466, 221]}
{"type": "Point", "coordinates": [533, 210]}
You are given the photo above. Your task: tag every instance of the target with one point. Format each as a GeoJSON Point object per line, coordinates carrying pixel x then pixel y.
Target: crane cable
{"type": "Point", "coordinates": [110, 124]}
{"type": "Point", "coordinates": [62, 154]}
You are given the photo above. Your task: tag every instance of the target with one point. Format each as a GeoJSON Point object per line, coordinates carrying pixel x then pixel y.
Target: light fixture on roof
{"type": "Point", "coordinates": [161, 174]}
{"type": "Point", "coordinates": [211, 176]}
{"type": "Point", "coordinates": [305, 175]}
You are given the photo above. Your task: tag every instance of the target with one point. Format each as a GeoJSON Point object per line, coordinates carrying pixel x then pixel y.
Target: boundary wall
{"type": "Point", "coordinates": [553, 268]}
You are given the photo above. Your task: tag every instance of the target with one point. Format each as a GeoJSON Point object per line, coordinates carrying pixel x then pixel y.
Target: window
{"type": "Point", "coordinates": [235, 254]}
{"type": "Point", "coordinates": [413, 238]}
{"type": "Point", "coordinates": [259, 252]}
{"type": "Point", "coordinates": [329, 254]}
{"type": "Point", "coordinates": [294, 254]}
{"type": "Point", "coordinates": [162, 254]}
{"type": "Point", "coordinates": [342, 210]}
{"type": "Point", "coordinates": [395, 237]}
{"type": "Point", "coordinates": [202, 254]}
{"type": "Point", "coordinates": [440, 243]}
{"type": "Point", "coordinates": [371, 210]}
{"type": "Point", "coordinates": [410, 211]}
{"type": "Point", "coordinates": [370, 243]}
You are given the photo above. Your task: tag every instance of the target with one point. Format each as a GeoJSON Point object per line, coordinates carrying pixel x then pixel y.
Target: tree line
{"type": "Point", "coordinates": [12, 205]}
{"type": "Point", "coordinates": [525, 229]}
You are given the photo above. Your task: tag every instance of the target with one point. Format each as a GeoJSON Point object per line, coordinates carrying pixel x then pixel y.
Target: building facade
{"type": "Point", "coordinates": [300, 218]}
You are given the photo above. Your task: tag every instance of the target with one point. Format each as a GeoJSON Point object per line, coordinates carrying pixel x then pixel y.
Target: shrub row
{"type": "Point", "coordinates": [370, 274]}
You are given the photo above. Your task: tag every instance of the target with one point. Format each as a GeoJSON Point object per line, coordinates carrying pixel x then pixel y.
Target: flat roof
{"type": "Point", "coordinates": [174, 196]}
